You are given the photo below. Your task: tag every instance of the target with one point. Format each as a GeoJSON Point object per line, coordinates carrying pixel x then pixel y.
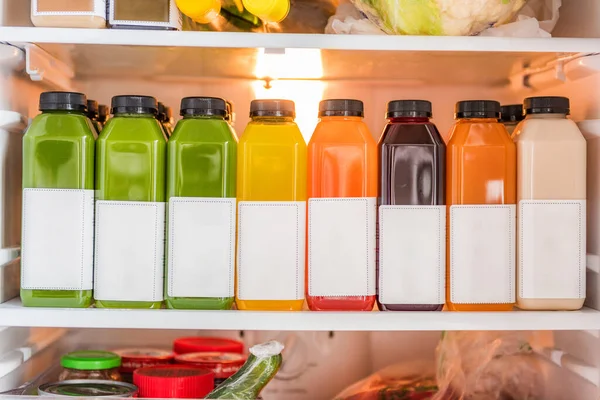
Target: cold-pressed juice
{"type": "Point", "coordinates": [481, 195]}
{"type": "Point", "coordinates": [130, 188]}
{"type": "Point", "coordinates": [412, 164]}
{"type": "Point", "coordinates": [342, 191]}
{"type": "Point", "coordinates": [271, 193]}
{"type": "Point", "coordinates": [201, 186]}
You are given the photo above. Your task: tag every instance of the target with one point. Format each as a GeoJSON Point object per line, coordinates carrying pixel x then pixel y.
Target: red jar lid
{"type": "Point", "coordinates": [223, 365]}
{"type": "Point", "coordinates": [132, 359]}
{"type": "Point", "coordinates": [207, 344]}
{"type": "Point", "coordinates": [173, 382]}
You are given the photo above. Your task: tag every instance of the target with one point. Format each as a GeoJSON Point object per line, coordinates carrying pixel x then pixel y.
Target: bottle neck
{"type": "Point", "coordinates": [546, 116]}
{"type": "Point", "coordinates": [355, 119]}
{"type": "Point", "coordinates": [409, 120]}
{"type": "Point", "coordinates": [192, 116]}
{"type": "Point", "coordinates": [479, 120]}
{"type": "Point", "coordinates": [73, 112]}
{"type": "Point", "coordinates": [134, 115]}
{"type": "Point", "coordinates": [278, 120]}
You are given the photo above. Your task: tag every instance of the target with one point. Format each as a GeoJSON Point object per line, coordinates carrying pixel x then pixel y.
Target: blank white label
{"type": "Point", "coordinates": [482, 254]}
{"type": "Point", "coordinates": [341, 246]}
{"type": "Point", "coordinates": [552, 249]}
{"type": "Point", "coordinates": [271, 250]}
{"type": "Point", "coordinates": [58, 239]}
{"type": "Point", "coordinates": [412, 254]}
{"type": "Point", "coordinates": [201, 247]}
{"type": "Point", "coordinates": [129, 254]}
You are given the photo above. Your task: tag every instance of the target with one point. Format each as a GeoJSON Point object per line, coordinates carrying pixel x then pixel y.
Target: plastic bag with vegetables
{"type": "Point", "coordinates": [438, 17]}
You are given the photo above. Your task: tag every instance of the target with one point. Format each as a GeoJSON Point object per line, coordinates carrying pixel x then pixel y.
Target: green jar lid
{"type": "Point", "coordinates": [90, 360]}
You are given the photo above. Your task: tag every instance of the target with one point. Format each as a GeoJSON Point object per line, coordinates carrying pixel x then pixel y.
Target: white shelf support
{"type": "Point", "coordinates": [42, 66]}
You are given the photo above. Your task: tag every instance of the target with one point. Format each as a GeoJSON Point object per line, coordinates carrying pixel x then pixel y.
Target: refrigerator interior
{"type": "Point", "coordinates": [320, 360]}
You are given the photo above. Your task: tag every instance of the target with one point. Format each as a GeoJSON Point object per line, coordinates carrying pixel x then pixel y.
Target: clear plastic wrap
{"type": "Point", "coordinates": [469, 366]}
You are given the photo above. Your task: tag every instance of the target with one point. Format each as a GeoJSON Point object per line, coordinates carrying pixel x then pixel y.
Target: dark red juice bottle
{"type": "Point", "coordinates": [412, 159]}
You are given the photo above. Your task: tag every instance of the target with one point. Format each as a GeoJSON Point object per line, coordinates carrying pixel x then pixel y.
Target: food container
{"type": "Point", "coordinates": [90, 365]}
{"type": "Point", "coordinates": [223, 365]}
{"type": "Point", "coordinates": [173, 382]}
{"type": "Point", "coordinates": [132, 359]}
{"type": "Point", "coordinates": [87, 388]}
{"type": "Point", "coordinates": [69, 13]}
{"type": "Point", "coordinates": [207, 344]}
{"type": "Point", "coordinates": [143, 14]}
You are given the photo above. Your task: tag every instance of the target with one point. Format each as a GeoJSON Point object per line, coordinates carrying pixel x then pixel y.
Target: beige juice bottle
{"type": "Point", "coordinates": [551, 213]}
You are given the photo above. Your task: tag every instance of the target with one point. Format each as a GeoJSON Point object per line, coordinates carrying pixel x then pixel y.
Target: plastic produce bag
{"type": "Point", "coordinates": [537, 19]}
{"type": "Point", "coordinates": [489, 365]}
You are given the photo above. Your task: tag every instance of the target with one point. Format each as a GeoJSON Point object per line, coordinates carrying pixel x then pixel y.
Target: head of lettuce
{"type": "Point", "coordinates": [438, 17]}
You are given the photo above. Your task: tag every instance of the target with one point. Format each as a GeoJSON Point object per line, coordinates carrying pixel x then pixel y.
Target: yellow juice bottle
{"type": "Point", "coordinates": [271, 193]}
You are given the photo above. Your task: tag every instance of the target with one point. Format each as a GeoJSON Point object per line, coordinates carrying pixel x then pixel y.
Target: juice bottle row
{"type": "Point", "coordinates": [199, 221]}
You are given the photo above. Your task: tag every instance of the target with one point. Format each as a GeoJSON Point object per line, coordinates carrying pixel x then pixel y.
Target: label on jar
{"type": "Point", "coordinates": [161, 14]}
{"type": "Point", "coordinates": [95, 8]}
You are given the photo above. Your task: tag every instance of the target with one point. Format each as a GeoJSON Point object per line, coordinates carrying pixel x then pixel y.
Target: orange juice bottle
{"type": "Point", "coordinates": [271, 193]}
{"type": "Point", "coordinates": [342, 193]}
{"type": "Point", "coordinates": [481, 196]}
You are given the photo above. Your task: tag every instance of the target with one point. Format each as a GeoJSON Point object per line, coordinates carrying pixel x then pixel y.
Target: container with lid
{"type": "Point", "coordinates": [58, 204]}
{"type": "Point", "coordinates": [103, 114]}
{"type": "Point", "coordinates": [196, 344]}
{"type": "Point", "coordinates": [92, 114]}
{"type": "Point", "coordinates": [481, 194]}
{"type": "Point", "coordinates": [551, 194]}
{"type": "Point", "coordinates": [342, 210]}
{"type": "Point", "coordinates": [223, 365]}
{"type": "Point", "coordinates": [88, 388]}
{"type": "Point", "coordinates": [134, 358]}
{"type": "Point", "coordinates": [201, 185]}
{"type": "Point", "coordinates": [69, 13]}
{"type": "Point", "coordinates": [130, 206]}
{"type": "Point", "coordinates": [173, 382]}
{"type": "Point", "coordinates": [412, 211]}
{"type": "Point", "coordinates": [161, 116]}
{"type": "Point", "coordinates": [143, 14]}
{"type": "Point", "coordinates": [511, 115]}
{"type": "Point", "coordinates": [271, 191]}
{"type": "Point", "coordinates": [90, 364]}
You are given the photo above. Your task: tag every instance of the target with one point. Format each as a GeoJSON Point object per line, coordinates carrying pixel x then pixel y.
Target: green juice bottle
{"type": "Point", "coordinates": [58, 204]}
{"type": "Point", "coordinates": [130, 206]}
{"type": "Point", "coordinates": [201, 188]}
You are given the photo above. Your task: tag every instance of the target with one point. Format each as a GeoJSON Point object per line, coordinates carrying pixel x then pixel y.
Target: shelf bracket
{"type": "Point", "coordinates": [41, 66]}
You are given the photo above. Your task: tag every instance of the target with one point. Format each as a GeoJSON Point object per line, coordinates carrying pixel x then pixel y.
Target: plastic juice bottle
{"type": "Point", "coordinates": [412, 175]}
{"type": "Point", "coordinates": [164, 120]}
{"type": "Point", "coordinates": [271, 193]}
{"type": "Point", "coordinates": [481, 195]}
{"type": "Point", "coordinates": [342, 192]}
{"type": "Point", "coordinates": [130, 180]}
{"type": "Point", "coordinates": [103, 115]}
{"type": "Point", "coordinates": [510, 116]}
{"type": "Point", "coordinates": [202, 158]}
{"type": "Point", "coordinates": [551, 195]}
{"type": "Point", "coordinates": [58, 153]}
{"type": "Point", "coordinates": [92, 113]}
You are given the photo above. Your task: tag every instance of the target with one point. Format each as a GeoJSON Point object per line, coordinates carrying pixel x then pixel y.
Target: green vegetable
{"type": "Point", "coordinates": [246, 384]}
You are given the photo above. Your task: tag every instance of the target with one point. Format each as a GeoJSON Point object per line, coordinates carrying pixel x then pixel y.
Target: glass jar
{"type": "Point", "coordinates": [90, 365]}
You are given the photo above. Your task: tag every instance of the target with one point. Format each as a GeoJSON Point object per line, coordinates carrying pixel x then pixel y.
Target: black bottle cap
{"type": "Point", "coordinates": [134, 105]}
{"type": "Point", "coordinates": [409, 108]}
{"type": "Point", "coordinates": [66, 101]}
{"type": "Point", "coordinates": [191, 106]}
{"type": "Point", "coordinates": [477, 109]}
{"type": "Point", "coordinates": [341, 108]}
{"type": "Point", "coordinates": [92, 109]}
{"type": "Point", "coordinates": [102, 113]}
{"type": "Point", "coordinates": [272, 108]}
{"type": "Point", "coordinates": [161, 113]}
{"type": "Point", "coordinates": [511, 113]}
{"type": "Point", "coordinates": [547, 105]}
{"type": "Point", "coordinates": [168, 114]}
